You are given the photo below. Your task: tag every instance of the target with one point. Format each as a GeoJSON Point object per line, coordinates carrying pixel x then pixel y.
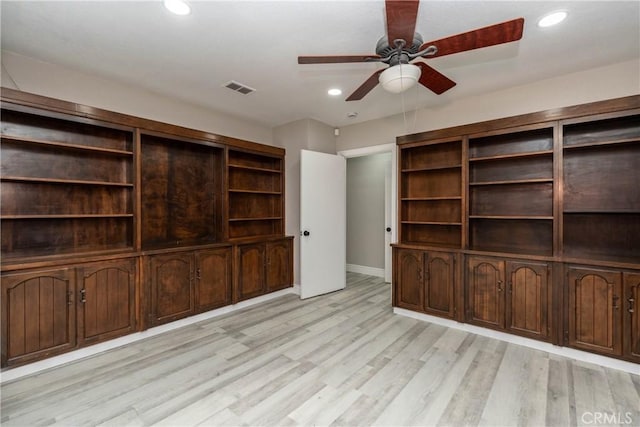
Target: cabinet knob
{"type": "Point", "coordinates": [499, 285]}
{"type": "Point", "coordinates": [615, 302]}
{"type": "Point", "coordinates": [631, 301]}
{"type": "Point", "coordinates": [83, 296]}
{"type": "Point", "coordinates": [198, 274]}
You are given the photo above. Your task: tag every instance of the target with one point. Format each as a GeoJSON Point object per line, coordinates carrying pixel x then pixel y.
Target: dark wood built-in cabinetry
{"type": "Point", "coordinates": [112, 224]}
{"type": "Point", "coordinates": [541, 213]}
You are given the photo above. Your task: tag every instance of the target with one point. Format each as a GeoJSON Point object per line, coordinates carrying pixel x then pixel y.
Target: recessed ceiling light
{"type": "Point", "coordinates": [179, 7]}
{"type": "Point", "coordinates": [334, 92]}
{"type": "Point", "coordinates": [552, 18]}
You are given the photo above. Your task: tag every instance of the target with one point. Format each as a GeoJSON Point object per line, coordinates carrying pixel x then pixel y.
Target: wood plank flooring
{"type": "Point", "coordinates": [340, 359]}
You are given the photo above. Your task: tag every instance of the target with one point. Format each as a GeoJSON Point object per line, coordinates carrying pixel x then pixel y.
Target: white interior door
{"type": "Point", "coordinates": [323, 222]}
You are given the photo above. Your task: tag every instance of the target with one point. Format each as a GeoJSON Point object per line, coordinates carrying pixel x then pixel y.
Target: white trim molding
{"type": "Point", "coordinates": [32, 368]}
{"type": "Point", "coordinates": [571, 353]}
{"type": "Point", "coordinates": [363, 269]}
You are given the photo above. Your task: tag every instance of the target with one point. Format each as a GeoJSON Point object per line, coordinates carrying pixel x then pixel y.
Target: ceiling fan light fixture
{"type": "Point", "coordinates": [552, 18]}
{"type": "Point", "coordinates": [398, 78]}
{"type": "Point", "coordinates": [179, 7]}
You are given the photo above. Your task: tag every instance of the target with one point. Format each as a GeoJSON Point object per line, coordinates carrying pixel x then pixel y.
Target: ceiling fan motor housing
{"type": "Point", "coordinates": [387, 50]}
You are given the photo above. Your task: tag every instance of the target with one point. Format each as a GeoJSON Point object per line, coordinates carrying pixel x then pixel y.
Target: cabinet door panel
{"type": "Point", "coordinates": [594, 310]}
{"type": "Point", "coordinates": [278, 265]}
{"type": "Point", "coordinates": [213, 278]}
{"type": "Point", "coordinates": [251, 271]}
{"type": "Point", "coordinates": [440, 284]}
{"type": "Point", "coordinates": [410, 279]}
{"type": "Point", "coordinates": [171, 291]}
{"type": "Point", "coordinates": [632, 315]}
{"type": "Point", "coordinates": [527, 299]}
{"type": "Point", "coordinates": [107, 300]}
{"type": "Point", "coordinates": [38, 315]}
{"type": "Point", "coordinates": [485, 277]}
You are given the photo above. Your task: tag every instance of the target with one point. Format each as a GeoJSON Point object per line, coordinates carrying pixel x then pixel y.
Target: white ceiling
{"type": "Point", "coordinates": [257, 43]}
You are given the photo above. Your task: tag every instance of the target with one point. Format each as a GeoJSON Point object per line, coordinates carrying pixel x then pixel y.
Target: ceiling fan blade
{"type": "Point", "coordinates": [434, 80]}
{"type": "Point", "coordinates": [401, 20]}
{"type": "Point", "coordinates": [505, 32]}
{"type": "Point", "coordinates": [337, 59]}
{"type": "Point", "coordinates": [365, 87]}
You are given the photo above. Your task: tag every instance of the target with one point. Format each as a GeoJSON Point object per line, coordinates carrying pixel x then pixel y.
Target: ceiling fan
{"type": "Point", "coordinates": [402, 45]}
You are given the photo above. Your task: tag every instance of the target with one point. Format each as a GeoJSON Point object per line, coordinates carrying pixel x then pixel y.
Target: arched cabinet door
{"type": "Point", "coordinates": [409, 284]}
{"type": "Point", "coordinates": [106, 300]}
{"type": "Point", "coordinates": [485, 303]}
{"type": "Point", "coordinates": [528, 300]}
{"type": "Point", "coordinates": [38, 315]}
{"type": "Point", "coordinates": [439, 289]}
{"type": "Point", "coordinates": [250, 264]}
{"type": "Point", "coordinates": [171, 277]}
{"type": "Point", "coordinates": [595, 310]}
{"type": "Point", "coordinates": [213, 278]}
{"type": "Point", "coordinates": [278, 274]}
{"type": "Point", "coordinates": [632, 315]}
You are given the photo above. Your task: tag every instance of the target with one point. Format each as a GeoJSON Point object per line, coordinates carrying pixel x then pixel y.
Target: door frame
{"type": "Point", "coordinates": [379, 149]}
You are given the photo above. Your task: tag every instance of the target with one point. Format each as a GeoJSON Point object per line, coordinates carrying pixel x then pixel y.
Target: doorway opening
{"type": "Point", "coordinates": [371, 209]}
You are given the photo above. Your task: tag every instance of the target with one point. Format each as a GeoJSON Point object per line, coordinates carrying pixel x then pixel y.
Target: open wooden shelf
{"type": "Point", "coordinates": [599, 144]}
{"type": "Point", "coordinates": [253, 168]}
{"type": "Point", "coordinates": [432, 168]}
{"type": "Point", "coordinates": [63, 145]}
{"type": "Point", "coordinates": [514, 181]}
{"type": "Point", "coordinates": [509, 217]}
{"type": "Point", "coordinates": [255, 219]}
{"type": "Point", "coordinates": [79, 216]}
{"type": "Point", "coordinates": [512, 156]}
{"type": "Point", "coordinates": [63, 181]}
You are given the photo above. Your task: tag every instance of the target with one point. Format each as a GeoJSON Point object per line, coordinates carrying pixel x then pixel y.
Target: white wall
{"type": "Point", "coordinates": [365, 210]}
{"type": "Point", "coordinates": [597, 84]}
{"type": "Point", "coordinates": [42, 78]}
{"type": "Point", "coordinates": [306, 134]}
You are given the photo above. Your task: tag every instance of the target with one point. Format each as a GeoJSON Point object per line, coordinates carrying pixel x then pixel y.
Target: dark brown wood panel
{"type": "Point", "coordinates": [436, 235]}
{"type": "Point", "coordinates": [631, 307]}
{"type": "Point", "coordinates": [604, 180]}
{"type": "Point", "coordinates": [432, 210]}
{"type": "Point", "coordinates": [252, 228]}
{"type": "Point", "coordinates": [486, 301]}
{"type": "Point", "coordinates": [434, 183]}
{"type": "Point", "coordinates": [606, 236]}
{"type": "Point", "coordinates": [516, 169]}
{"type": "Point", "coordinates": [279, 262]}
{"type": "Point", "coordinates": [440, 284]}
{"type": "Point", "coordinates": [511, 143]}
{"type": "Point", "coordinates": [254, 180]}
{"type": "Point", "coordinates": [213, 278]}
{"type": "Point", "coordinates": [409, 284]}
{"type": "Point", "coordinates": [595, 310]}
{"type": "Point", "coordinates": [432, 156]}
{"type": "Point", "coordinates": [36, 161]}
{"type": "Point", "coordinates": [171, 277]}
{"type": "Point", "coordinates": [23, 238]}
{"type": "Point", "coordinates": [251, 280]}
{"type": "Point", "coordinates": [254, 160]}
{"type": "Point", "coordinates": [520, 236]}
{"type": "Point", "coordinates": [37, 127]}
{"type": "Point", "coordinates": [598, 131]}
{"type": "Point", "coordinates": [512, 200]}
{"type": "Point", "coordinates": [38, 315]}
{"type": "Point", "coordinates": [181, 193]}
{"type": "Point", "coordinates": [106, 301]}
{"type": "Point", "coordinates": [247, 205]}
{"type": "Point", "coordinates": [528, 299]}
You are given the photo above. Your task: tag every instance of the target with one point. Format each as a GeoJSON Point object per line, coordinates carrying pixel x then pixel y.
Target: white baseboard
{"type": "Point", "coordinates": [21, 371]}
{"type": "Point", "coordinates": [571, 353]}
{"type": "Point", "coordinates": [363, 269]}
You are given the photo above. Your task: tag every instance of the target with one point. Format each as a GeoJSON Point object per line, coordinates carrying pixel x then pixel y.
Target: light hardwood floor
{"type": "Point", "coordinates": [340, 359]}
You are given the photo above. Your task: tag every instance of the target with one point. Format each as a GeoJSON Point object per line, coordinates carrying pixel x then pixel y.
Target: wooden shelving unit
{"type": "Point", "coordinates": [431, 193]}
{"type": "Point", "coordinates": [543, 240]}
{"type": "Point", "coordinates": [112, 224]}
{"type": "Point", "coordinates": [511, 191]}
{"type": "Point", "coordinates": [601, 205]}
{"type": "Point", "coordinates": [255, 194]}
{"type": "Point", "coordinates": [66, 188]}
